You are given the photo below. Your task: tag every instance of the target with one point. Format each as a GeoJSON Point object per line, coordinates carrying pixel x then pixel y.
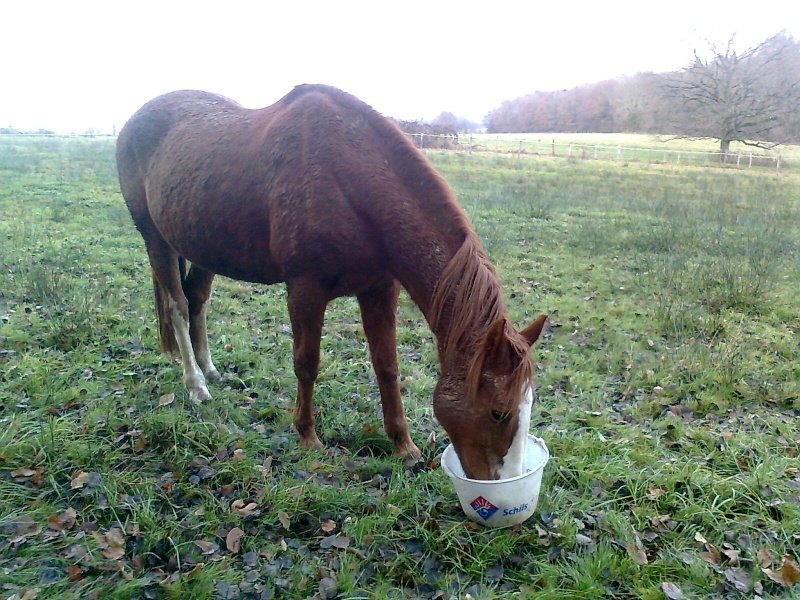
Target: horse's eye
{"type": "Point", "coordinates": [500, 417]}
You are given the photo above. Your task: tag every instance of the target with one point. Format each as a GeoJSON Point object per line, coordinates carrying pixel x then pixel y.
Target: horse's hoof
{"type": "Point", "coordinates": [212, 375]}
{"type": "Point", "coordinates": [199, 395]}
{"type": "Point", "coordinates": [410, 455]}
{"type": "Point", "coordinates": [311, 443]}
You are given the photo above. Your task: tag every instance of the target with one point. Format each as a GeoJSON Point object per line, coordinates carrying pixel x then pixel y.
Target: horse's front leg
{"type": "Point", "coordinates": [307, 302]}
{"type": "Point", "coordinates": [378, 306]}
{"type": "Point", "coordinates": [197, 288]}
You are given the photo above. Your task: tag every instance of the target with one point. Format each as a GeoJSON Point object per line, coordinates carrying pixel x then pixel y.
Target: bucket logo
{"type": "Point", "coordinates": [483, 507]}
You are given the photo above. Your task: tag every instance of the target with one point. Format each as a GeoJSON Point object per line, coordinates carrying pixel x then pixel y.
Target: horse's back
{"type": "Point", "coordinates": [311, 183]}
{"type": "Point", "coordinates": [141, 137]}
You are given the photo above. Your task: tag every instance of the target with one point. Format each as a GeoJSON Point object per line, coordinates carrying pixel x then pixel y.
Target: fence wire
{"type": "Point", "coordinates": [577, 151]}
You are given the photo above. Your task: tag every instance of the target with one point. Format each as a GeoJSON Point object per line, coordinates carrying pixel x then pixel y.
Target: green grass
{"type": "Point", "coordinates": [668, 396]}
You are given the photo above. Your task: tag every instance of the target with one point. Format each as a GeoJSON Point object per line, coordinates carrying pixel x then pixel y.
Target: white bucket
{"type": "Point", "coordinates": [500, 502]}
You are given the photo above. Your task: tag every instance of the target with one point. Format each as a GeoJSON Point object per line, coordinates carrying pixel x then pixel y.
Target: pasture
{"type": "Point", "coordinates": [668, 394]}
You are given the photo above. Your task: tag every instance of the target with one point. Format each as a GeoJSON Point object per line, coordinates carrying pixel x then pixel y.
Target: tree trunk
{"type": "Point", "coordinates": [724, 148]}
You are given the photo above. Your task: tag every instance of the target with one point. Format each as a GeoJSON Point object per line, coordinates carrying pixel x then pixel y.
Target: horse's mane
{"type": "Point", "coordinates": [469, 295]}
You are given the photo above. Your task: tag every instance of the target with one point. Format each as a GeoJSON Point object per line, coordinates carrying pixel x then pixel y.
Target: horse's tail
{"type": "Point", "coordinates": [166, 332]}
{"type": "Point", "coordinates": [168, 343]}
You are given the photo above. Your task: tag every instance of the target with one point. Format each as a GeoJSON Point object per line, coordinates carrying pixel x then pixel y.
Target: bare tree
{"type": "Point", "coordinates": [751, 97]}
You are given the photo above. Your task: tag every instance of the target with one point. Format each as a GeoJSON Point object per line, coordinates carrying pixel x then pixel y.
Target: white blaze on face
{"type": "Point", "coordinates": [513, 463]}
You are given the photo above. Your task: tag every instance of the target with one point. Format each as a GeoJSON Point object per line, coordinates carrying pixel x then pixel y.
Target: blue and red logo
{"type": "Point", "coordinates": [483, 507]}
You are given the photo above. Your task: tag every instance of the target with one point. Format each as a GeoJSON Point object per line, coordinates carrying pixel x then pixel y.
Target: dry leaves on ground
{"type": "Point", "coordinates": [233, 541]}
{"type": "Point", "coordinates": [787, 575]}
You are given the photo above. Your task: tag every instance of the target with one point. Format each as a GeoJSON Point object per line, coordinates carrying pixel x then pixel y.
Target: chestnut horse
{"type": "Point", "coordinates": [323, 193]}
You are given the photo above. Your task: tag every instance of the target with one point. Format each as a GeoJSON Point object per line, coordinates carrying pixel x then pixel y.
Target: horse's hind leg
{"type": "Point", "coordinates": [197, 288]}
{"type": "Point", "coordinates": [378, 306]}
{"type": "Point", "coordinates": [307, 302]}
{"type": "Point", "coordinates": [173, 313]}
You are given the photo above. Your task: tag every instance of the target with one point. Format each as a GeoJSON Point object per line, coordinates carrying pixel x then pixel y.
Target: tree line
{"type": "Point", "coordinates": [750, 96]}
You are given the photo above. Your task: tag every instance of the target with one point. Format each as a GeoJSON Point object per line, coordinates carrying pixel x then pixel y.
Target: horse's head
{"type": "Point", "coordinates": [485, 403]}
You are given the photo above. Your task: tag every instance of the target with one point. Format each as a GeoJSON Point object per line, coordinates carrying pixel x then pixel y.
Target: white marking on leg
{"type": "Point", "coordinates": [513, 463]}
{"type": "Point", "coordinates": [201, 350]}
{"type": "Point", "coordinates": [193, 377]}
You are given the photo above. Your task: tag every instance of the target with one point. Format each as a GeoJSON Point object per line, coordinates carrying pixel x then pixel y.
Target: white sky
{"type": "Point", "coordinates": [72, 65]}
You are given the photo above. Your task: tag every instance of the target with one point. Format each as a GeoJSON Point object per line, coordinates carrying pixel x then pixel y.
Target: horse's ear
{"type": "Point", "coordinates": [497, 348]}
{"type": "Point", "coordinates": [532, 332]}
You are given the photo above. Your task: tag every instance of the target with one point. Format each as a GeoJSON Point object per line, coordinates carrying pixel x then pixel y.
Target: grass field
{"type": "Point", "coordinates": [669, 396]}
{"type": "Point", "coordinates": [635, 148]}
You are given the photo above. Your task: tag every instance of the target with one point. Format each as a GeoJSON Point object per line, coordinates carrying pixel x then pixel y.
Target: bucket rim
{"type": "Point", "coordinates": [539, 467]}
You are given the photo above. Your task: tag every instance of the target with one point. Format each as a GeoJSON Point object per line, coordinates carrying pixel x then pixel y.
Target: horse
{"type": "Point", "coordinates": [321, 192]}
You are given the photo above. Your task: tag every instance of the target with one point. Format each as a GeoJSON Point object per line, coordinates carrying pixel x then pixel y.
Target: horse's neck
{"type": "Point", "coordinates": [460, 298]}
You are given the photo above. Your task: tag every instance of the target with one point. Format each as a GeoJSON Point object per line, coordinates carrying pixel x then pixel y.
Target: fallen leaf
{"type": "Point", "coordinates": [776, 576]}
{"type": "Point", "coordinates": [140, 443]}
{"type": "Point", "coordinates": [711, 554]}
{"type": "Point", "coordinates": [75, 552]}
{"type": "Point", "coordinates": [328, 588]}
{"type": "Point", "coordinates": [698, 537]}
{"type": "Point", "coordinates": [166, 399]}
{"type": "Point", "coordinates": [637, 552]}
{"type": "Point", "coordinates": [654, 492]}
{"type": "Point", "coordinates": [790, 570]}
{"type": "Point", "coordinates": [335, 541]}
{"type": "Point", "coordinates": [739, 578]}
{"type": "Point", "coordinates": [80, 479]}
{"type": "Point", "coordinates": [233, 541]}
{"type": "Point", "coordinates": [65, 520]}
{"type": "Point", "coordinates": [112, 543]}
{"type": "Point", "coordinates": [74, 572]}
{"type": "Point", "coordinates": [206, 547]}
{"type": "Point", "coordinates": [115, 537]}
{"type": "Point", "coordinates": [25, 528]}
{"type": "Point", "coordinates": [494, 573]}
{"type": "Point", "coordinates": [432, 439]}
{"type": "Point", "coordinates": [23, 472]}
{"type": "Point", "coordinates": [113, 552]}
{"type": "Point", "coordinates": [327, 525]}
{"type": "Point", "coordinates": [239, 507]}
{"type": "Point", "coordinates": [764, 558]}
{"type": "Point", "coordinates": [672, 591]}
{"type": "Point", "coordinates": [283, 517]}
{"type": "Point", "coordinates": [733, 556]}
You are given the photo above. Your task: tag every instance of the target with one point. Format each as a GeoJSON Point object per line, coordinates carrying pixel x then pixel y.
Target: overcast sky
{"type": "Point", "coordinates": [73, 65]}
